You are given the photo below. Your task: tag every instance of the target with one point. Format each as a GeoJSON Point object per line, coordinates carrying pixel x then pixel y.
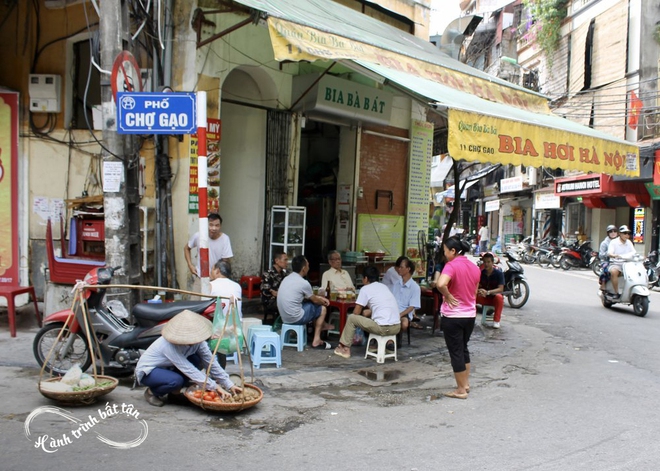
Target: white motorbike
{"type": "Point", "coordinates": [633, 287]}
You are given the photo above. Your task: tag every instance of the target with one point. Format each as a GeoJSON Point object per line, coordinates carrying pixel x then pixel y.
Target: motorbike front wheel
{"type": "Point", "coordinates": [59, 361]}
{"type": "Point", "coordinates": [564, 263]}
{"type": "Point", "coordinates": [544, 259]}
{"type": "Point", "coordinates": [555, 259]}
{"type": "Point", "coordinates": [519, 294]}
{"type": "Point", "coordinates": [640, 305]}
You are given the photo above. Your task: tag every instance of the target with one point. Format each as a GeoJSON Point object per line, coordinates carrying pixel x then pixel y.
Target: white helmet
{"type": "Point", "coordinates": [623, 229]}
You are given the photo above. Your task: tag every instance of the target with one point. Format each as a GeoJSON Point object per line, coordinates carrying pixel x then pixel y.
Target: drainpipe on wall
{"type": "Point", "coordinates": [356, 183]}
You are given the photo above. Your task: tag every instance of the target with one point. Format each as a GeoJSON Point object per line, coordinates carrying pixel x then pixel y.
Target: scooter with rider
{"type": "Point", "coordinates": [633, 286]}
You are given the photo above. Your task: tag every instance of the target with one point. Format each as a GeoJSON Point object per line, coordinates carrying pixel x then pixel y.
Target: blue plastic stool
{"type": "Point", "coordinates": [256, 328]}
{"type": "Point", "coordinates": [233, 358]}
{"type": "Point", "coordinates": [266, 348]}
{"type": "Point", "coordinates": [301, 336]}
{"type": "Point", "coordinates": [485, 312]}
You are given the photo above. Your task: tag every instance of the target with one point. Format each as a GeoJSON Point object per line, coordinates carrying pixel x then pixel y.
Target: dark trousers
{"type": "Point", "coordinates": [270, 308]}
{"type": "Point", "coordinates": [163, 381]}
{"type": "Point", "coordinates": [457, 332]}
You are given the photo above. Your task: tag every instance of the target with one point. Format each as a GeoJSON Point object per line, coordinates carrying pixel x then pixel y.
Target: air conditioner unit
{"type": "Point", "coordinates": [45, 91]}
{"type": "Point", "coordinates": [531, 176]}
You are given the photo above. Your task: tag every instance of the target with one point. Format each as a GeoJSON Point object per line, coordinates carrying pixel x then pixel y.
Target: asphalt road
{"type": "Point", "coordinates": [564, 385]}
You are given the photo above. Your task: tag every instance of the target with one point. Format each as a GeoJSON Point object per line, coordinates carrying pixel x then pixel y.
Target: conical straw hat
{"type": "Point", "coordinates": [187, 328]}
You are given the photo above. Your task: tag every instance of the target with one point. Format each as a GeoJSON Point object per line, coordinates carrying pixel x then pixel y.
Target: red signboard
{"type": "Point", "coordinates": [9, 188]}
{"type": "Point", "coordinates": [656, 168]}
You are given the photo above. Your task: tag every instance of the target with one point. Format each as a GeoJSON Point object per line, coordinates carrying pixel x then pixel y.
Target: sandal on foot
{"type": "Point", "coordinates": [456, 395]}
{"type": "Point", "coordinates": [322, 346]}
{"type": "Point", "coordinates": [342, 354]}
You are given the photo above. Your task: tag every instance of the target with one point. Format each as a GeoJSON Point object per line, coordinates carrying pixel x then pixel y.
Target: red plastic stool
{"type": "Point", "coordinates": [251, 286]}
{"type": "Point", "coordinates": [9, 293]}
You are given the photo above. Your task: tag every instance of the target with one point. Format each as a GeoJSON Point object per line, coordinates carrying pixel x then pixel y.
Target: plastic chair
{"type": "Point", "coordinates": [256, 328]}
{"type": "Point", "coordinates": [266, 348]}
{"type": "Point", "coordinates": [301, 336]}
{"type": "Point", "coordinates": [485, 312]}
{"type": "Point", "coordinates": [381, 353]}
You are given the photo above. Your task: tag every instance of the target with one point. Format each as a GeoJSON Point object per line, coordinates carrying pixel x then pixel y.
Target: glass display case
{"type": "Point", "coordinates": [287, 230]}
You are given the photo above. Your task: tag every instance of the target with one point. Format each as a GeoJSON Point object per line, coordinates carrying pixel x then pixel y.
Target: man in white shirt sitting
{"type": "Point", "coordinates": [222, 285]}
{"type": "Point", "coordinates": [376, 311]}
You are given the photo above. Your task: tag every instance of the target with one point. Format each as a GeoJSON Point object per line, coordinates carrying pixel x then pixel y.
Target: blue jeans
{"type": "Point", "coordinates": [163, 381]}
{"type": "Point", "coordinates": [312, 312]}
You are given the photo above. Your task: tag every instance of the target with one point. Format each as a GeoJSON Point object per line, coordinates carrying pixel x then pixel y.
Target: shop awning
{"type": "Point", "coordinates": [484, 131]}
{"type": "Point", "coordinates": [315, 30]}
{"type": "Point", "coordinates": [463, 185]}
{"type": "Point", "coordinates": [490, 120]}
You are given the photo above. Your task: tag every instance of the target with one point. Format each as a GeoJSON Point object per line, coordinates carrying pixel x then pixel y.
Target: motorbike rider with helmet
{"type": "Point", "coordinates": [620, 248]}
{"type": "Point", "coordinates": [612, 233]}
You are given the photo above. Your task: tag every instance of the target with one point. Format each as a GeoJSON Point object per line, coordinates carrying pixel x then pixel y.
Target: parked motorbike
{"type": "Point", "coordinates": [652, 265]}
{"type": "Point", "coordinates": [633, 288]}
{"type": "Point", "coordinates": [516, 288]}
{"type": "Point", "coordinates": [120, 341]}
{"type": "Point", "coordinates": [577, 256]}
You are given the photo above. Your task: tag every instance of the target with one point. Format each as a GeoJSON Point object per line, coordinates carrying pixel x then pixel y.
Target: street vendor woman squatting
{"type": "Point", "coordinates": [175, 359]}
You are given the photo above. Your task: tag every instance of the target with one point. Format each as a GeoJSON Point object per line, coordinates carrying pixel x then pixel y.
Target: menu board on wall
{"type": "Point", "coordinates": [380, 233]}
{"type": "Point", "coordinates": [419, 182]}
{"type": "Point", "coordinates": [213, 169]}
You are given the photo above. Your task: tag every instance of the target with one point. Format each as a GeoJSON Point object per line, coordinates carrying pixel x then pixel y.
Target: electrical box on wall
{"type": "Point", "coordinates": [45, 91]}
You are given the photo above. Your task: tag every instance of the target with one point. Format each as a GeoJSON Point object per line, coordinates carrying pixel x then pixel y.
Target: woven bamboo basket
{"type": "Point", "coordinates": [85, 397]}
{"type": "Point", "coordinates": [225, 406]}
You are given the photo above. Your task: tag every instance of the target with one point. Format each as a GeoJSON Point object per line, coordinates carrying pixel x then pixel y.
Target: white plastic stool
{"type": "Point", "coordinates": [266, 348]}
{"type": "Point", "coordinates": [486, 311]}
{"type": "Point", "coordinates": [381, 353]}
{"type": "Point", "coordinates": [301, 336]}
{"type": "Point", "coordinates": [256, 328]}
{"type": "Point", "coordinates": [247, 323]}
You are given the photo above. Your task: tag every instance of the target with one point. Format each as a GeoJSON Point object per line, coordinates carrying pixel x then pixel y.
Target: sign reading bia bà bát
{"type": "Point", "coordinates": [344, 98]}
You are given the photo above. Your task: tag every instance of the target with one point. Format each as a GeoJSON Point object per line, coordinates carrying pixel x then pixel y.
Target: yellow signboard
{"type": "Point", "coordinates": [295, 42]}
{"type": "Point", "coordinates": [482, 138]}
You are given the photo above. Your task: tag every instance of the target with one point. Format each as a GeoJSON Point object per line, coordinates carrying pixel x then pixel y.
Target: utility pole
{"type": "Point", "coordinates": [117, 244]}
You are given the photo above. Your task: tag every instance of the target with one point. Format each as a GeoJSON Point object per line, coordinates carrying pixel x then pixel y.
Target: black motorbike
{"type": "Point", "coordinates": [652, 265]}
{"type": "Point", "coordinates": [516, 288]}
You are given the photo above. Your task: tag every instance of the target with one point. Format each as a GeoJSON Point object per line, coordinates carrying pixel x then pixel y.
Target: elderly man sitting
{"type": "Point", "coordinates": [379, 312]}
{"type": "Point", "coordinates": [339, 278]}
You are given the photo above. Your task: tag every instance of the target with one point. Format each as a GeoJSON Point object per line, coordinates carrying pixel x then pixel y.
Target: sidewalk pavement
{"type": "Point", "coordinates": [300, 370]}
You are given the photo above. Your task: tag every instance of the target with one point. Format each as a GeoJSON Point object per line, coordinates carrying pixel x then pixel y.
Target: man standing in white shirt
{"type": "Point", "coordinates": [219, 249]}
{"type": "Point", "coordinates": [483, 239]}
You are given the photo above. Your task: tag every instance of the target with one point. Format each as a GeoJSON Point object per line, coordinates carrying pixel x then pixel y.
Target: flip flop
{"type": "Point", "coordinates": [341, 354]}
{"type": "Point", "coordinates": [322, 346]}
{"type": "Point", "coordinates": [456, 395]}
{"type": "Point", "coordinates": [415, 325]}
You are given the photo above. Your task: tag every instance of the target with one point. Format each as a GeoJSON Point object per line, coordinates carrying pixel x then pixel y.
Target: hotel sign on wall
{"type": "Point", "coordinates": [579, 187]}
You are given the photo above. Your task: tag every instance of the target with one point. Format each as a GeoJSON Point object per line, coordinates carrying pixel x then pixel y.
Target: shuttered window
{"type": "Point", "coordinates": [578, 50]}
{"type": "Point", "coordinates": [610, 45]}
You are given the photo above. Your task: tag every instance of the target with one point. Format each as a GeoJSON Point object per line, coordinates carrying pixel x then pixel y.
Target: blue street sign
{"type": "Point", "coordinates": [156, 113]}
